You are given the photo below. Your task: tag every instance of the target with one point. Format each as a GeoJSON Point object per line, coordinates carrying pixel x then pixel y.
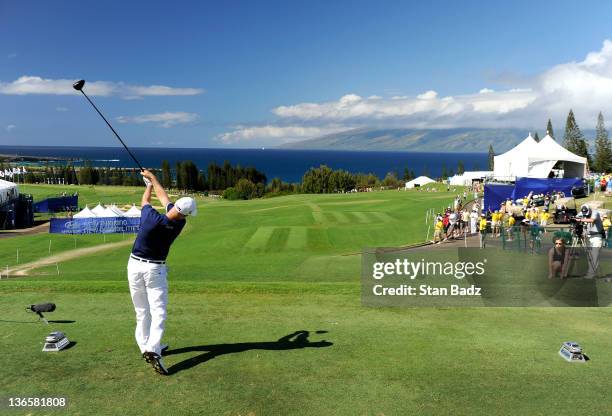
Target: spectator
{"type": "Point", "coordinates": [496, 223]}
{"type": "Point", "coordinates": [544, 217]}
{"type": "Point", "coordinates": [465, 221]}
{"type": "Point", "coordinates": [482, 227]}
{"type": "Point", "coordinates": [452, 224]}
{"type": "Point", "coordinates": [473, 221]}
{"type": "Point", "coordinates": [558, 260]}
{"type": "Point", "coordinates": [607, 226]}
{"type": "Point", "coordinates": [438, 230]}
{"type": "Point", "coordinates": [510, 229]}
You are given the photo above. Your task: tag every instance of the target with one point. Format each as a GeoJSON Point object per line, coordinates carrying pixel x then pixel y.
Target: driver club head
{"type": "Point", "coordinates": [78, 85]}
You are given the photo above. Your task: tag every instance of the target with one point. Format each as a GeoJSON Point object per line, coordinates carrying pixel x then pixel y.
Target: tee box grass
{"type": "Point", "coordinates": [264, 318]}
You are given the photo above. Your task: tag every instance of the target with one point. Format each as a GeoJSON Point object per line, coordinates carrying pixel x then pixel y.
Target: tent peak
{"type": "Point", "coordinates": [548, 137]}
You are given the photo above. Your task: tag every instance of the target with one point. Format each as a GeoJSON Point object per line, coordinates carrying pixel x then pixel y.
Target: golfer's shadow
{"type": "Point", "coordinates": [296, 340]}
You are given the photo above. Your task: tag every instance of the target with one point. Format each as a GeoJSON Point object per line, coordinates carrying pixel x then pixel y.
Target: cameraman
{"type": "Point", "coordinates": [593, 237]}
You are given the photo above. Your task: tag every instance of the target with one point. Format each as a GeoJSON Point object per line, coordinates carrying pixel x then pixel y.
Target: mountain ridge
{"type": "Point", "coordinates": [419, 140]}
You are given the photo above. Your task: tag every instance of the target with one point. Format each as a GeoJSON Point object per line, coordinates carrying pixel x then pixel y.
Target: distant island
{"type": "Point", "coordinates": [26, 158]}
{"type": "Point", "coordinates": [419, 140]}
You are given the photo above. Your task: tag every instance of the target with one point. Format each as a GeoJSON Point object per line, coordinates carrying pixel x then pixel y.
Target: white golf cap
{"type": "Point", "coordinates": [186, 206]}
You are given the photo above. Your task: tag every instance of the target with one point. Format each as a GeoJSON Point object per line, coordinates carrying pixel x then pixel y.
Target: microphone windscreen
{"type": "Point", "coordinates": [43, 307]}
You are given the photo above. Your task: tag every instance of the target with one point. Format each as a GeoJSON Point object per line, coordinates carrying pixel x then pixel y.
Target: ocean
{"type": "Point", "coordinates": [288, 165]}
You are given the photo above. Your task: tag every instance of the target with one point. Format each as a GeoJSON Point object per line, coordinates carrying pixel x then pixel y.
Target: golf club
{"type": "Point", "coordinates": [79, 87]}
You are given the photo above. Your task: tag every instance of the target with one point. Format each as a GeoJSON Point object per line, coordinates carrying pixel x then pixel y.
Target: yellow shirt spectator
{"type": "Point", "coordinates": [483, 224]}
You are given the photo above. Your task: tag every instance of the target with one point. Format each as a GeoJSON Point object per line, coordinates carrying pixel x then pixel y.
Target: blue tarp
{"type": "Point", "coordinates": [108, 225]}
{"type": "Point", "coordinates": [59, 204]}
{"type": "Point", "coordinates": [523, 186]}
{"type": "Point", "coordinates": [495, 194]}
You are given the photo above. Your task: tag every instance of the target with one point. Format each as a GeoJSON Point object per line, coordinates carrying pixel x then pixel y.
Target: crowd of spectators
{"type": "Point", "coordinates": [605, 183]}
{"type": "Point", "coordinates": [529, 216]}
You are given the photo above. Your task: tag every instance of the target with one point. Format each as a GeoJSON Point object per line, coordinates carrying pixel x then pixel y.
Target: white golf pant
{"type": "Point", "coordinates": [149, 291]}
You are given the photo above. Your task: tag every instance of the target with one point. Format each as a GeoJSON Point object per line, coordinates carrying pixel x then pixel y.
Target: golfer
{"type": "Point", "coordinates": [147, 267]}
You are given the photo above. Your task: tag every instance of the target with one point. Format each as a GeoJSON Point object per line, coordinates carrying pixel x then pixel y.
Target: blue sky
{"type": "Point", "coordinates": [250, 74]}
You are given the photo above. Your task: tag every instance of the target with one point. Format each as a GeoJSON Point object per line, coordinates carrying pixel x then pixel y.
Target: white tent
{"type": "Point", "coordinates": [108, 212]}
{"type": "Point", "coordinates": [8, 191]}
{"type": "Point", "coordinates": [467, 178]}
{"type": "Point", "coordinates": [99, 211]}
{"type": "Point", "coordinates": [132, 212]}
{"type": "Point", "coordinates": [116, 210]}
{"type": "Point", "coordinates": [549, 153]}
{"type": "Point", "coordinates": [513, 163]}
{"type": "Point", "coordinates": [85, 213]}
{"type": "Point", "coordinates": [420, 181]}
{"type": "Point", "coordinates": [536, 160]}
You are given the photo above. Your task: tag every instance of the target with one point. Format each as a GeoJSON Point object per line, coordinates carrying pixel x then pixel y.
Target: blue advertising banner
{"type": "Point", "coordinates": [495, 194]}
{"type": "Point", "coordinates": [541, 186]}
{"type": "Point", "coordinates": [110, 225]}
{"type": "Point", "coordinates": [63, 203]}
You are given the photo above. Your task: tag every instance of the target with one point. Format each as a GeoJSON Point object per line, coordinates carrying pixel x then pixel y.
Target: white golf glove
{"type": "Point", "coordinates": [146, 181]}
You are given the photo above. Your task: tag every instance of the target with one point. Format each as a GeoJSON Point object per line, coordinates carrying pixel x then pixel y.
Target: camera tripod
{"type": "Point", "coordinates": [579, 240]}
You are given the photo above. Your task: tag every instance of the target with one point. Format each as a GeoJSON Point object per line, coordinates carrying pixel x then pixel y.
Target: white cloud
{"type": "Point", "coordinates": [11, 55]}
{"type": "Point", "coordinates": [426, 106]}
{"type": "Point", "coordinates": [584, 86]}
{"type": "Point", "coordinates": [428, 95]}
{"type": "Point", "coordinates": [36, 85]}
{"type": "Point", "coordinates": [61, 109]}
{"type": "Point", "coordinates": [166, 120]}
{"type": "Point", "coordinates": [276, 134]}
{"type": "Point", "coordinates": [11, 127]}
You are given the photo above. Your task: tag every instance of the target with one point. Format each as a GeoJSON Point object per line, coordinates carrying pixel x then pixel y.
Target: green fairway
{"type": "Point", "coordinates": [265, 318]}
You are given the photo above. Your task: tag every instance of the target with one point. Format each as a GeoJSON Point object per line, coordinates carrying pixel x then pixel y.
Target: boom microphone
{"type": "Point", "coordinates": [40, 308]}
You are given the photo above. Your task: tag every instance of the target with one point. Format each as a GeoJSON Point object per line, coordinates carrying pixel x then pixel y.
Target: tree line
{"type": "Point", "coordinates": [232, 182]}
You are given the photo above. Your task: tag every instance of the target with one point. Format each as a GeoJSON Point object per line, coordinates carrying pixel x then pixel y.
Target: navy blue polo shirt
{"type": "Point", "coordinates": [156, 234]}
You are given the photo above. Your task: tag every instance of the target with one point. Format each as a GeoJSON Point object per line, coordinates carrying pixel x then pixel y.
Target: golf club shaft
{"type": "Point", "coordinates": [111, 127]}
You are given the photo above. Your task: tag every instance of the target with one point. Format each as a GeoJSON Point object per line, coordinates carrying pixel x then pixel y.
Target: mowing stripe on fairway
{"type": "Point", "coordinates": [313, 206]}
{"type": "Point", "coordinates": [357, 202]}
{"type": "Point", "coordinates": [318, 239]}
{"type": "Point", "coordinates": [361, 217]}
{"type": "Point", "coordinates": [319, 218]}
{"type": "Point", "coordinates": [341, 217]}
{"type": "Point", "coordinates": [260, 238]}
{"type": "Point", "coordinates": [278, 239]}
{"type": "Point", "coordinates": [269, 208]}
{"type": "Point", "coordinates": [383, 216]}
{"type": "Point", "coordinates": [297, 238]}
